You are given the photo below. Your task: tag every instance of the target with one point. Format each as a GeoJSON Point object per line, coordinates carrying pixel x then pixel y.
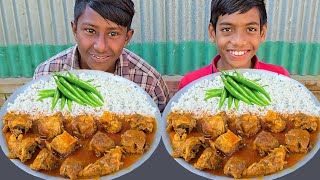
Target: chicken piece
{"type": "Point", "coordinates": [177, 144]}
{"type": "Point", "coordinates": [142, 123]}
{"type": "Point", "coordinates": [213, 126]}
{"type": "Point", "coordinates": [109, 163]}
{"type": "Point", "coordinates": [133, 141]}
{"type": "Point", "coordinates": [45, 160]}
{"type": "Point", "coordinates": [101, 143]}
{"type": "Point", "coordinates": [273, 162]}
{"type": "Point", "coordinates": [50, 127]}
{"type": "Point", "coordinates": [247, 125]}
{"type": "Point", "coordinates": [186, 147]}
{"type": "Point", "coordinates": [274, 121]}
{"type": "Point", "coordinates": [83, 126]}
{"type": "Point", "coordinates": [234, 167]}
{"type": "Point", "coordinates": [227, 142]}
{"type": "Point", "coordinates": [297, 140]}
{"type": "Point", "coordinates": [110, 122]}
{"type": "Point", "coordinates": [306, 122]}
{"type": "Point", "coordinates": [71, 168]}
{"type": "Point", "coordinates": [17, 124]}
{"type": "Point", "coordinates": [181, 123]}
{"type": "Point", "coordinates": [22, 148]}
{"type": "Point", "coordinates": [209, 159]}
{"type": "Point", "coordinates": [63, 143]}
{"type": "Point", "coordinates": [265, 142]}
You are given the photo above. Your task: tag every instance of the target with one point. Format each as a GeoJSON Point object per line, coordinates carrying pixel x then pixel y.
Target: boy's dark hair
{"type": "Point", "coordinates": [119, 11]}
{"type": "Point", "coordinates": [223, 7]}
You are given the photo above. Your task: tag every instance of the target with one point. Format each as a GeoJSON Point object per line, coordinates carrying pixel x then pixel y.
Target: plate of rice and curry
{"type": "Point", "coordinates": [242, 124]}
{"type": "Point", "coordinates": [78, 125]}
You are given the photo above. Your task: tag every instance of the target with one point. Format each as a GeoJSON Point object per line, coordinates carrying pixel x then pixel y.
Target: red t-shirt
{"type": "Point", "coordinates": [194, 75]}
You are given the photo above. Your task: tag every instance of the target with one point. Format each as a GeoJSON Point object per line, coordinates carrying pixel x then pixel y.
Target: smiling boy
{"type": "Point", "coordinates": [237, 27]}
{"type": "Point", "coordinates": [102, 29]}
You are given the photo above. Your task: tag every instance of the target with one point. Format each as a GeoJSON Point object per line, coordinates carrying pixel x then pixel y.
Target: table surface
{"type": "Point", "coordinates": [158, 167]}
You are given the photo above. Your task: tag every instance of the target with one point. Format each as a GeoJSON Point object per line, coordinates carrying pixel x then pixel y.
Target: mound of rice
{"type": "Point", "coordinates": [121, 97]}
{"type": "Point", "coordinates": [288, 97]}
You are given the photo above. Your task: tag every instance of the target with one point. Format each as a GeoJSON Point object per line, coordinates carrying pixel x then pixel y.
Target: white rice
{"type": "Point", "coordinates": [121, 97]}
{"type": "Point", "coordinates": [288, 97]}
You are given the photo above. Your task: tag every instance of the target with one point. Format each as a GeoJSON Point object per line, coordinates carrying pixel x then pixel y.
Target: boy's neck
{"type": "Point", "coordinates": [222, 65]}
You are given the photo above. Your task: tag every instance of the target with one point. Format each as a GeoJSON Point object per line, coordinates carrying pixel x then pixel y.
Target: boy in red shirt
{"type": "Point", "coordinates": [237, 27]}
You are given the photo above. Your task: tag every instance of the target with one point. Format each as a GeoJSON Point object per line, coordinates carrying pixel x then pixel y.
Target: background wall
{"type": "Point", "coordinates": [170, 34]}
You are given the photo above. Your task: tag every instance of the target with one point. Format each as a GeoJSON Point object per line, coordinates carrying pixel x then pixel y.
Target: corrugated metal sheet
{"type": "Point", "coordinates": [170, 34]}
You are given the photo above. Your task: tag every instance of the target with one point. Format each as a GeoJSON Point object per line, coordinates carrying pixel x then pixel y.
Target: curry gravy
{"type": "Point", "coordinates": [84, 155]}
{"type": "Point", "coordinates": [246, 151]}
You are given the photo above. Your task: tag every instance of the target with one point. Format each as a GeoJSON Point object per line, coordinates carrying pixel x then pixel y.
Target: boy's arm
{"type": "Point", "coordinates": [161, 94]}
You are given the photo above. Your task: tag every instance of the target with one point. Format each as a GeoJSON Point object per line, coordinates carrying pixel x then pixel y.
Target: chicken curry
{"type": "Point", "coordinates": [80, 147]}
{"type": "Point", "coordinates": [242, 147]}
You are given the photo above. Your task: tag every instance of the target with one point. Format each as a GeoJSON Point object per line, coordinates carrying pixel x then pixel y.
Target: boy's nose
{"type": "Point", "coordinates": [100, 43]}
{"type": "Point", "coordinates": [239, 38]}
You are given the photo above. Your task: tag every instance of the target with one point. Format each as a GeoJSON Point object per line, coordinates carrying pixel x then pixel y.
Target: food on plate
{"type": "Point", "coordinates": [87, 139]}
{"type": "Point", "coordinates": [243, 125]}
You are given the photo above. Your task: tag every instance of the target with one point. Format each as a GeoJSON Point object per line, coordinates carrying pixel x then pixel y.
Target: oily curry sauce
{"type": "Point", "coordinates": [246, 151]}
{"type": "Point", "coordinates": [86, 156]}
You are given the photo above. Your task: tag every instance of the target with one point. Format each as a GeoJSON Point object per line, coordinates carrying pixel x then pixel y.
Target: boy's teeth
{"type": "Point", "coordinates": [238, 53]}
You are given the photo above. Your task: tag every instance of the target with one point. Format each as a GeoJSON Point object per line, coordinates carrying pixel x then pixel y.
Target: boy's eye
{"type": "Point", "coordinates": [252, 29]}
{"type": "Point", "coordinates": [91, 31]}
{"type": "Point", "coordinates": [226, 29]}
{"type": "Point", "coordinates": [113, 34]}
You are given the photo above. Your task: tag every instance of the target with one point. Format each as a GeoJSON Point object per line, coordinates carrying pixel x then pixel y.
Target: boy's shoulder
{"type": "Point", "coordinates": [132, 61]}
{"type": "Point", "coordinates": [194, 75]}
{"type": "Point", "coordinates": [274, 68]}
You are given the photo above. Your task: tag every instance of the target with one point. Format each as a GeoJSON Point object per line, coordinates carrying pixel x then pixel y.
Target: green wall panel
{"type": "Point", "coordinates": [169, 58]}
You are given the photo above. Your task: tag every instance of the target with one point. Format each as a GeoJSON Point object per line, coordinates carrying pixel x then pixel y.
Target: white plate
{"type": "Point", "coordinates": [142, 159]}
{"type": "Point", "coordinates": [175, 98]}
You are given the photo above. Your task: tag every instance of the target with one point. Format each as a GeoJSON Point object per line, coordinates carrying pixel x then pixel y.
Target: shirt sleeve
{"type": "Point", "coordinates": [161, 94]}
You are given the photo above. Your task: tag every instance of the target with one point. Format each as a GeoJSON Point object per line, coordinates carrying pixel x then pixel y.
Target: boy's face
{"type": "Point", "coordinates": [100, 41]}
{"type": "Point", "coordinates": [237, 37]}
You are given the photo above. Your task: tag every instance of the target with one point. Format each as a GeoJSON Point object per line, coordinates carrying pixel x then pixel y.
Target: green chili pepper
{"type": "Point", "coordinates": [240, 89]}
{"type": "Point", "coordinates": [93, 98]}
{"type": "Point", "coordinates": [223, 97]}
{"type": "Point", "coordinates": [211, 93]}
{"type": "Point", "coordinates": [44, 96]}
{"type": "Point", "coordinates": [234, 92]}
{"type": "Point", "coordinates": [86, 97]}
{"type": "Point", "coordinates": [236, 103]}
{"type": "Point", "coordinates": [83, 85]}
{"type": "Point", "coordinates": [55, 98]}
{"type": "Point", "coordinates": [213, 90]}
{"type": "Point", "coordinates": [63, 101]}
{"type": "Point", "coordinates": [260, 97]}
{"type": "Point", "coordinates": [67, 93]}
{"type": "Point", "coordinates": [73, 90]}
{"type": "Point", "coordinates": [230, 100]}
{"type": "Point", "coordinates": [252, 95]}
{"type": "Point", "coordinates": [46, 91]}
{"type": "Point", "coordinates": [252, 85]}
{"type": "Point", "coordinates": [69, 102]}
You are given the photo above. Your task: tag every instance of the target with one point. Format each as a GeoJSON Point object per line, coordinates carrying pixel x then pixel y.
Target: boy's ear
{"type": "Point", "coordinates": [73, 27]}
{"type": "Point", "coordinates": [129, 36]}
{"type": "Point", "coordinates": [264, 32]}
{"type": "Point", "coordinates": [212, 33]}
